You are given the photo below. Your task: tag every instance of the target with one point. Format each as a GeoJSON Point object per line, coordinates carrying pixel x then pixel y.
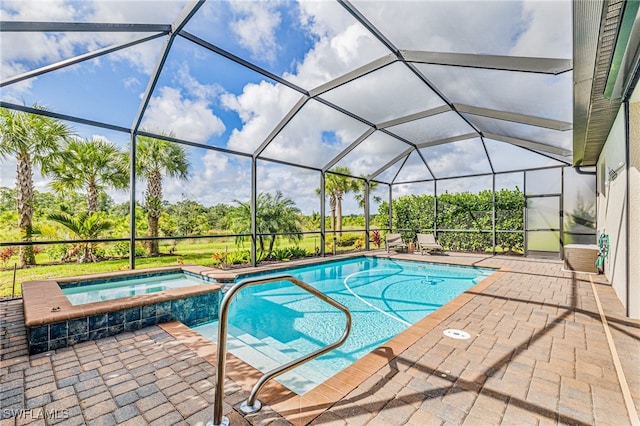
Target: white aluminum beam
{"type": "Point", "coordinates": [66, 27]}
{"type": "Point", "coordinates": [515, 117]}
{"type": "Point", "coordinates": [354, 74]}
{"type": "Point", "coordinates": [447, 140]}
{"type": "Point", "coordinates": [413, 117]}
{"type": "Point", "coordinates": [495, 62]}
{"type": "Point", "coordinates": [529, 144]}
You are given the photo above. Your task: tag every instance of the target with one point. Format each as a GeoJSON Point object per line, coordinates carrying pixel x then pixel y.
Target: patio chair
{"type": "Point", "coordinates": [394, 241]}
{"type": "Point", "coordinates": [427, 242]}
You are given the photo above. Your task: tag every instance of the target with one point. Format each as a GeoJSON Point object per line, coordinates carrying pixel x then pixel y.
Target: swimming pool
{"type": "Point", "coordinates": [272, 324]}
{"type": "Point", "coordinates": [80, 293]}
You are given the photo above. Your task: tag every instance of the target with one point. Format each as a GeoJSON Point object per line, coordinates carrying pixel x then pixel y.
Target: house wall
{"type": "Point", "coordinates": [634, 205]}
{"type": "Point", "coordinates": [612, 199]}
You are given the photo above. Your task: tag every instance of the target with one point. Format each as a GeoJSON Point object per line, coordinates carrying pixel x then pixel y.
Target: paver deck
{"type": "Point", "coordinates": [539, 353]}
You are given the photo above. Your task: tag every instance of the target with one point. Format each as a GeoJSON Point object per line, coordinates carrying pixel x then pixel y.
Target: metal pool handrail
{"type": "Point", "coordinates": [252, 404]}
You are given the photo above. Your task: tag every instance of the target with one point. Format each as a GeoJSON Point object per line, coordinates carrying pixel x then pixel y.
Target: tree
{"type": "Point", "coordinates": [156, 158]}
{"type": "Point", "coordinates": [32, 139]}
{"type": "Point", "coordinates": [190, 217]}
{"type": "Point", "coordinates": [85, 226]}
{"type": "Point", "coordinates": [361, 192]}
{"type": "Point", "coordinates": [274, 215]}
{"type": "Point", "coordinates": [335, 186]}
{"type": "Point", "coordinates": [93, 164]}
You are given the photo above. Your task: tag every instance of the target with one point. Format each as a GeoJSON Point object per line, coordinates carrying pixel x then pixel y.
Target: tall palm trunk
{"type": "Point", "coordinates": [24, 192]}
{"type": "Point", "coordinates": [332, 207]}
{"type": "Point", "coordinates": [92, 197]}
{"type": "Point", "coordinates": [339, 211]}
{"type": "Point", "coordinates": [153, 202]}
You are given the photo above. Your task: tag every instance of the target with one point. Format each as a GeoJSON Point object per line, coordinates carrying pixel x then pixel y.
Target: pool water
{"type": "Point", "coordinates": [88, 292]}
{"type": "Point", "coordinates": [272, 324]}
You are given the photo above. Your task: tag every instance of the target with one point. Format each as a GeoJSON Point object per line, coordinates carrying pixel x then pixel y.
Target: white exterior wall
{"type": "Point", "coordinates": [634, 205]}
{"type": "Point", "coordinates": [612, 200]}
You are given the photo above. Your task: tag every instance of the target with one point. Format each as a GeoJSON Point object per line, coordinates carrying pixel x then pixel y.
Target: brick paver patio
{"type": "Point", "coordinates": [538, 354]}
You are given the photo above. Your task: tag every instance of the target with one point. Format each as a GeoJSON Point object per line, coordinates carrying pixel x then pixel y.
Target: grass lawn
{"type": "Point", "coordinates": [195, 251]}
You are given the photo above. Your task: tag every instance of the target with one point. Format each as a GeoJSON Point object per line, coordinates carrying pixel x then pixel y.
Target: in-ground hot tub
{"type": "Point", "coordinates": [53, 321]}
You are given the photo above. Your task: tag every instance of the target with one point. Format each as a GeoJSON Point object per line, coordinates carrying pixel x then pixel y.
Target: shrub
{"type": "Point", "coordinates": [217, 258]}
{"type": "Point", "coordinates": [98, 252]}
{"type": "Point", "coordinates": [282, 254]}
{"type": "Point", "coordinates": [57, 253]}
{"type": "Point", "coordinates": [119, 249]}
{"type": "Point", "coordinates": [139, 250]}
{"type": "Point", "coordinates": [347, 240]}
{"type": "Point", "coordinates": [238, 257]}
{"type": "Point", "coordinates": [5, 255]}
{"type": "Point", "coordinates": [298, 252]}
{"type": "Point", "coordinates": [375, 237]}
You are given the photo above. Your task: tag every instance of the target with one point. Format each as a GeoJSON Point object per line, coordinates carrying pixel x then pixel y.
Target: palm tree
{"type": "Point", "coordinates": [336, 185]}
{"type": "Point", "coordinates": [156, 158]}
{"type": "Point", "coordinates": [360, 194]}
{"type": "Point", "coordinates": [91, 163]}
{"type": "Point", "coordinates": [32, 139]}
{"type": "Point", "coordinates": [85, 226]}
{"type": "Point", "coordinates": [275, 215]}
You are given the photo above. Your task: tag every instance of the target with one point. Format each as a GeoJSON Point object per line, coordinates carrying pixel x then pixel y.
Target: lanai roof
{"type": "Point", "coordinates": [395, 91]}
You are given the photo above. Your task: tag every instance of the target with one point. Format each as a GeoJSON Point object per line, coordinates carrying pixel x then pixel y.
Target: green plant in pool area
{"type": "Point", "coordinates": [238, 257]}
{"type": "Point", "coordinates": [283, 254]}
{"type": "Point", "coordinates": [85, 226]}
{"type": "Point", "coordinates": [298, 252]}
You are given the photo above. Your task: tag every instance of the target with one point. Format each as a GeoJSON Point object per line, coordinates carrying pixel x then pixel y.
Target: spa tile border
{"type": "Point", "coordinates": [302, 409]}
{"type": "Point", "coordinates": [52, 322]}
{"type": "Point", "coordinates": [45, 303]}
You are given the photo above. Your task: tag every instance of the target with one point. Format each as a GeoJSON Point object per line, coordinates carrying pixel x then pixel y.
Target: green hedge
{"type": "Point", "coordinates": [464, 211]}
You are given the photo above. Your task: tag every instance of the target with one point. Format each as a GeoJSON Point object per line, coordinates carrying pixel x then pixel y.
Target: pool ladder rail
{"type": "Point", "coordinates": [252, 404]}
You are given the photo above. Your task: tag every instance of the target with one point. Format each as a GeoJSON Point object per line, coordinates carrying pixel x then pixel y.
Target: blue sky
{"type": "Point", "coordinates": [205, 98]}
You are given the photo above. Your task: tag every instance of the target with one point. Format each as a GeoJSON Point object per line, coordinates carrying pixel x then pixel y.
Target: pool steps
{"type": "Point", "coordinates": [267, 353]}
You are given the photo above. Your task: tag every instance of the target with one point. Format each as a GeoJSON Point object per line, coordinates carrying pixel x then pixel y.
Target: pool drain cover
{"type": "Point", "coordinates": [456, 334]}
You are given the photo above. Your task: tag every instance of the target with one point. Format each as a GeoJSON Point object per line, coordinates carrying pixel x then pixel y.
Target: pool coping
{"type": "Point", "coordinates": [302, 409]}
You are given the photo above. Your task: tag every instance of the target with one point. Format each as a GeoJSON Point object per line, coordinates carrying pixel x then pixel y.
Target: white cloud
{"type": "Point", "coordinates": [548, 32]}
{"type": "Point", "coordinates": [194, 87]}
{"type": "Point", "coordinates": [333, 56]}
{"type": "Point", "coordinates": [260, 107]}
{"type": "Point", "coordinates": [49, 10]}
{"type": "Point", "coordinates": [255, 24]}
{"type": "Point", "coordinates": [220, 180]}
{"type": "Point", "coordinates": [186, 119]}
{"type": "Point", "coordinates": [38, 49]}
{"type": "Point", "coordinates": [460, 26]}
